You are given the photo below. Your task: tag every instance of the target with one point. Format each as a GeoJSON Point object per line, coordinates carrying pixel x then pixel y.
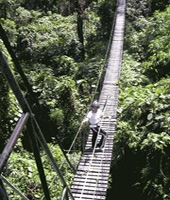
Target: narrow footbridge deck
{"type": "Point", "coordinates": [91, 179]}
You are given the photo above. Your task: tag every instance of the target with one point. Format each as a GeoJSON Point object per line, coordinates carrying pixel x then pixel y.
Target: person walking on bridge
{"type": "Point", "coordinates": [94, 116]}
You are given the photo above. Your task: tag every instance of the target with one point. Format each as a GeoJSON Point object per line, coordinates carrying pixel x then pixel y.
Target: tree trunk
{"type": "Point", "coordinates": [81, 36]}
{"type": "Point", "coordinates": [80, 11]}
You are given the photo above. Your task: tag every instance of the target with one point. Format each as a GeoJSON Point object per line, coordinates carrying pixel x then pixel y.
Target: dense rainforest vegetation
{"type": "Point", "coordinates": [61, 46]}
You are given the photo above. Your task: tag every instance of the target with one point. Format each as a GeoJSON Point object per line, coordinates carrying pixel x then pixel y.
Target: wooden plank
{"type": "Point", "coordinates": [93, 176]}
{"type": "Point", "coordinates": [79, 181]}
{"type": "Point", "coordinates": [90, 196]}
{"type": "Point", "coordinates": [95, 164]}
{"type": "Point", "coordinates": [92, 167]}
{"type": "Point", "coordinates": [88, 190]}
{"type": "Point", "coordinates": [83, 174]}
{"type": "Point", "coordinates": [91, 171]}
{"type": "Point", "coordinates": [96, 160]}
{"type": "Point", "coordinates": [92, 184]}
{"type": "Point", "coordinates": [96, 170]}
{"type": "Point", "coordinates": [106, 150]}
{"type": "Point", "coordinates": [106, 161]}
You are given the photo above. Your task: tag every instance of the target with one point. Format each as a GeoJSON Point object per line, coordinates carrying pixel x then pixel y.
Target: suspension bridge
{"type": "Point", "coordinates": [91, 179]}
{"type": "Point", "coordinates": [92, 174]}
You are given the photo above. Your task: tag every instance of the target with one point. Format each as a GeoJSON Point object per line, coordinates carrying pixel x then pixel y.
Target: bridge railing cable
{"type": "Point", "coordinates": [100, 79]}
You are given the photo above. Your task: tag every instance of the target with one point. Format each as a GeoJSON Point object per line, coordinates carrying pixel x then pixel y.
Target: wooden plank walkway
{"type": "Point", "coordinates": [91, 179]}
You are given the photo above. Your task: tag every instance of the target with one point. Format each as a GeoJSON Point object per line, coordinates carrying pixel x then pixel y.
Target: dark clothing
{"type": "Point", "coordinates": [95, 131]}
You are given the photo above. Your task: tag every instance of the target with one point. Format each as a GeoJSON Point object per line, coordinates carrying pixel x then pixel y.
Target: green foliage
{"type": "Point", "coordinates": [142, 138]}
{"type": "Point", "coordinates": [157, 45]}
{"type": "Point", "coordinates": [158, 5]}
{"type": "Point", "coordinates": [49, 50]}
{"type": "Point", "coordinates": [46, 37]}
{"type": "Point", "coordinates": [4, 103]}
{"type": "Point", "coordinates": [22, 167]}
{"type": "Point", "coordinates": [132, 72]}
{"type": "Point", "coordinates": [136, 9]}
{"type": "Point", "coordinates": [148, 44]}
{"type": "Point", "coordinates": [10, 29]}
{"type": "Point", "coordinates": [106, 13]}
{"type": "Point", "coordinates": [143, 127]}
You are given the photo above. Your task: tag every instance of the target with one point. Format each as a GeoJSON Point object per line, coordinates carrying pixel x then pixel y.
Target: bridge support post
{"type": "Point", "coordinates": [3, 193]}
